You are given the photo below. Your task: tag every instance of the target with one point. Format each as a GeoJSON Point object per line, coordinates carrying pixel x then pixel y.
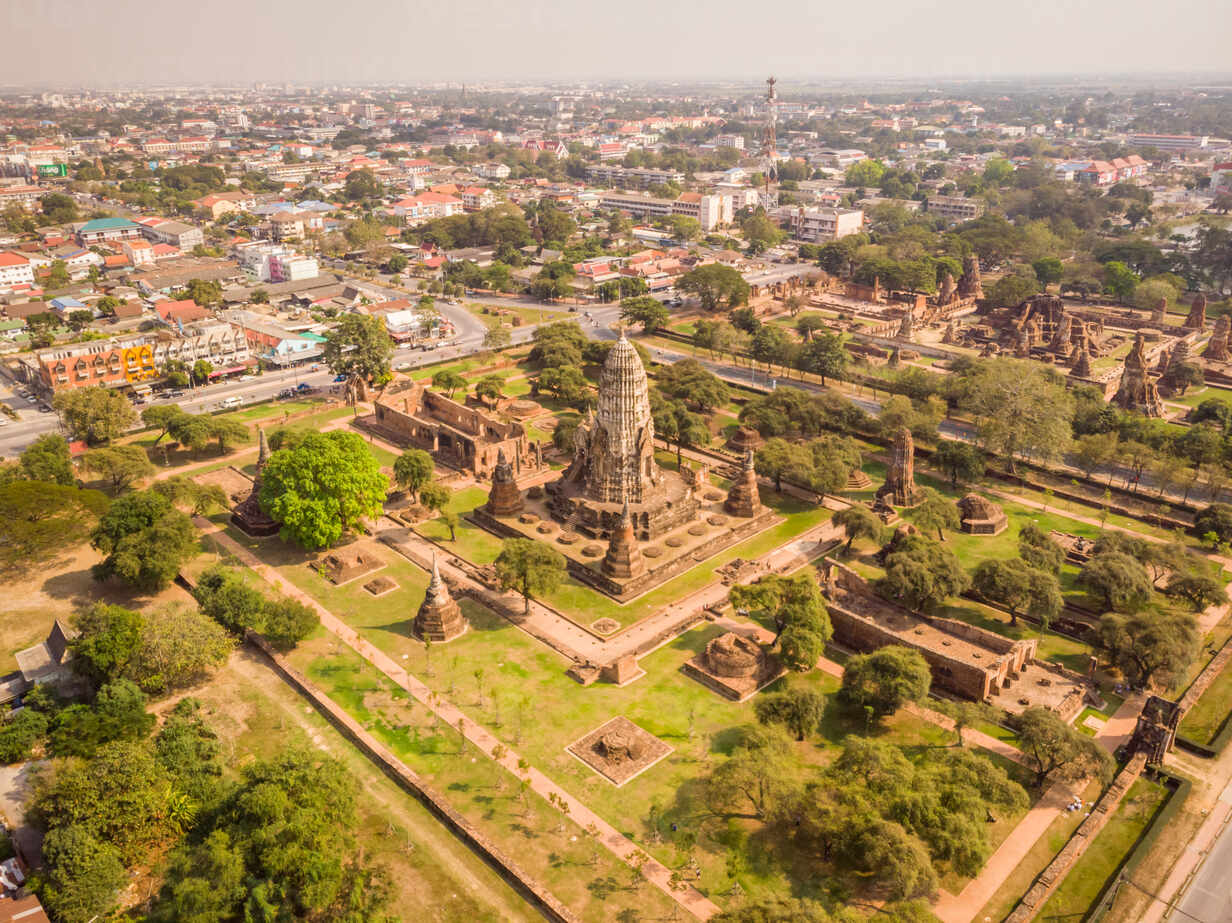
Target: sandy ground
{"type": "Point", "coordinates": [30, 602]}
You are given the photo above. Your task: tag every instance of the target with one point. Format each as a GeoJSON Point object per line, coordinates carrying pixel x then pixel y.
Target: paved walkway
{"type": "Point", "coordinates": [621, 846]}
{"type": "Point", "coordinates": [569, 638]}
{"type": "Point", "coordinates": [963, 907]}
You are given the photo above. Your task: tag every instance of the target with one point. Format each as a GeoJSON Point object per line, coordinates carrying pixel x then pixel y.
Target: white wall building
{"type": "Point", "coordinates": [819, 225]}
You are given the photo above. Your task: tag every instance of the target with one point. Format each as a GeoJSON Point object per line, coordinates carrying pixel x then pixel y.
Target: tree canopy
{"type": "Point", "coordinates": [322, 488]}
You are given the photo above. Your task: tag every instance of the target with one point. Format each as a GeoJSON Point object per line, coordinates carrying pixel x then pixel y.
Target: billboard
{"type": "Point", "coordinates": [52, 169]}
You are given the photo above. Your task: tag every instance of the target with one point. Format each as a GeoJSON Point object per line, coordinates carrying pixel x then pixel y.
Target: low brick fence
{"type": "Point", "coordinates": [528, 887]}
{"type": "Point", "coordinates": [1052, 876]}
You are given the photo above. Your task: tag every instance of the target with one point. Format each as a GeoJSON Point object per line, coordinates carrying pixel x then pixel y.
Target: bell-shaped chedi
{"type": "Point", "coordinates": [1137, 391]}
{"type": "Point", "coordinates": [743, 499]}
{"type": "Point", "coordinates": [248, 515]}
{"type": "Point", "coordinates": [505, 499]}
{"type": "Point", "coordinates": [1217, 348]}
{"type": "Point", "coordinates": [623, 559]}
{"type": "Point", "coordinates": [1196, 320]}
{"type": "Point", "coordinates": [439, 617]}
{"type": "Point", "coordinates": [899, 486]}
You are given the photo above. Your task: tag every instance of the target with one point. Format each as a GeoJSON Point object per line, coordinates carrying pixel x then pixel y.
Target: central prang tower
{"type": "Point", "coordinates": [616, 445]}
{"type": "Point", "coordinates": [613, 460]}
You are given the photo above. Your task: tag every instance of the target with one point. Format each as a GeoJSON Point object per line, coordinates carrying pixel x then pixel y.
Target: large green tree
{"type": "Point", "coordinates": [1020, 588]}
{"type": "Point", "coordinates": [1057, 750]}
{"type": "Point", "coordinates": [1150, 647]}
{"type": "Point", "coordinates": [145, 541]}
{"type": "Point", "coordinates": [95, 414]}
{"type": "Point", "coordinates": [529, 567]}
{"type": "Point", "coordinates": [322, 488]}
{"type": "Point", "coordinates": [716, 286]}
{"type": "Point", "coordinates": [360, 348]}
{"type": "Point", "coordinates": [1020, 408]}
{"type": "Point", "coordinates": [886, 679]}
{"type": "Point", "coordinates": [39, 520]}
{"type": "Point", "coordinates": [47, 459]}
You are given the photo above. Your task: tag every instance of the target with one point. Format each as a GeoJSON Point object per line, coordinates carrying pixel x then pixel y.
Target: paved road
{"type": "Point", "coordinates": [1208, 898]}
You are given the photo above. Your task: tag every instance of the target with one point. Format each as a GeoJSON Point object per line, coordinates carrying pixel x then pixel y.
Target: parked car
{"type": "Point", "coordinates": [304, 388]}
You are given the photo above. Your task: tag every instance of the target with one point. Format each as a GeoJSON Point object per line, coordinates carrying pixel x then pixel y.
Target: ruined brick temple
{"type": "Point", "coordinates": [613, 461]}
{"type": "Point", "coordinates": [466, 438]}
{"type": "Point", "coordinates": [248, 515]}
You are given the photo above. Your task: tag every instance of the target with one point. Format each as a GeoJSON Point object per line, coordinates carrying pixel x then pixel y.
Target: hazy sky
{"type": "Point", "coordinates": [171, 41]}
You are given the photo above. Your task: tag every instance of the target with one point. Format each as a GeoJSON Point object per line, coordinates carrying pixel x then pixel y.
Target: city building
{"type": "Point", "coordinates": [632, 177]}
{"type": "Point", "coordinates": [819, 225]}
{"type": "Point", "coordinates": [174, 233]}
{"type": "Point", "coordinates": [1221, 179]}
{"type": "Point", "coordinates": [710, 211]}
{"type": "Point", "coordinates": [22, 196]}
{"type": "Point", "coordinates": [16, 273]}
{"type": "Point", "coordinates": [1168, 142]}
{"type": "Point", "coordinates": [475, 198]}
{"type": "Point", "coordinates": [271, 262]}
{"type": "Point", "coordinates": [141, 357]}
{"type": "Point", "coordinates": [101, 230]}
{"type": "Point", "coordinates": [956, 208]}
{"type": "Point", "coordinates": [493, 171]}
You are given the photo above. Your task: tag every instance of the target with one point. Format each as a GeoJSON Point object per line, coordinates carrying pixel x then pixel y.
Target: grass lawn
{"type": "Point", "coordinates": [257, 716]}
{"type": "Point", "coordinates": [1195, 396]}
{"type": "Point", "coordinates": [270, 409]}
{"type": "Point", "coordinates": [581, 603]}
{"type": "Point", "coordinates": [1087, 878]}
{"type": "Point", "coordinates": [556, 850]}
{"type": "Point", "coordinates": [1204, 720]}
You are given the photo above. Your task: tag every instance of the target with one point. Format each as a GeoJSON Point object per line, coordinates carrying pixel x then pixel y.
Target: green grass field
{"type": "Point", "coordinates": [1088, 876]}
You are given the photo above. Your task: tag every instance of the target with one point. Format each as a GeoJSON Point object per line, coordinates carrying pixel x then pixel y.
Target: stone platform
{"type": "Point", "coordinates": [619, 750]}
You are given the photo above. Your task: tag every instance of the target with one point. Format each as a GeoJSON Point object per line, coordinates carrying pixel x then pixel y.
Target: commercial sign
{"type": "Point", "coordinates": [52, 169]}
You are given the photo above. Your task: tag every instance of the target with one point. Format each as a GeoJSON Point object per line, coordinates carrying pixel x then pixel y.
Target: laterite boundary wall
{"type": "Point", "coordinates": [530, 888]}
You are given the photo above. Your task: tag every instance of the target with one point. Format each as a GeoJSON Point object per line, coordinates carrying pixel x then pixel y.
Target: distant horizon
{"type": "Point", "coordinates": [59, 44]}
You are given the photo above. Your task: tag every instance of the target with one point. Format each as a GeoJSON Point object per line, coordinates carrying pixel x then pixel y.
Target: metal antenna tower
{"type": "Point", "coordinates": [769, 143]}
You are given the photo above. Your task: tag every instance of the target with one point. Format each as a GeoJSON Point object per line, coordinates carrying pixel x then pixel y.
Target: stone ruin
{"type": "Point", "coordinates": [744, 499]}
{"type": "Point", "coordinates": [1159, 317]}
{"type": "Point", "coordinates": [969, 284]}
{"type": "Point", "coordinates": [248, 516]}
{"type": "Point", "coordinates": [980, 516]}
{"type": "Point", "coordinates": [505, 499]}
{"type": "Point", "coordinates": [745, 439]}
{"type": "Point", "coordinates": [949, 290]}
{"type": "Point", "coordinates": [733, 666]}
{"type": "Point", "coordinates": [906, 328]}
{"type": "Point", "coordinates": [1196, 319]}
{"type": "Point", "coordinates": [619, 750]}
{"type": "Point", "coordinates": [1217, 348]}
{"type": "Point", "coordinates": [1137, 391]}
{"type": "Point", "coordinates": [343, 566]}
{"type": "Point", "coordinates": [439, 617]}
{"type": "Point", "coordinates": [899, 486]}
{"type": "Point", "coordinates": [1169, 380]}
{"type": "Point", "coordinates": [1082, 365]}
{"type": "Point", "coordinates": [623, 559]}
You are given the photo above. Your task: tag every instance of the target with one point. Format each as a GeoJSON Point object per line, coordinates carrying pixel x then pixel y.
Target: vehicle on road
{"type": "Point", "coordinates": [233, 401]}
{"type": "Point", "coordinates": [339, 378]}
{"type": "Point", "coordinates": [304, 388]}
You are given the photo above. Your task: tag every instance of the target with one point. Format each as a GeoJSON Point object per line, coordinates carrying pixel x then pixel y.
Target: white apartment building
{"type": "Point", "coordinates": [271, 262]}
{"type": "Point", "coordinates": [175, 233]}
{"type": "Point", "coordinates": [819, 225]}
{"type": "Point", "coordinates": [493, 170]}
{"type": "Point", "coordinates": [710, 211]}
{"type": "Point", "coordinates": [736, 141]}
{"type": "Point", "coordinates": [1169, 142]}
{"type": "Point", "coordinates": [15, 272]}
{"type": "Point", "coordinates": [631, 177]}
{"type": "Point", "coordinates": [742, 196]}
{"type": "Point", "coordinates": [955, 207]}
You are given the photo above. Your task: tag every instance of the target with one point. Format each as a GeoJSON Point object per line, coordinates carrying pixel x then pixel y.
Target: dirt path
{"type": "Point", "coordinates": [689, 898]}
